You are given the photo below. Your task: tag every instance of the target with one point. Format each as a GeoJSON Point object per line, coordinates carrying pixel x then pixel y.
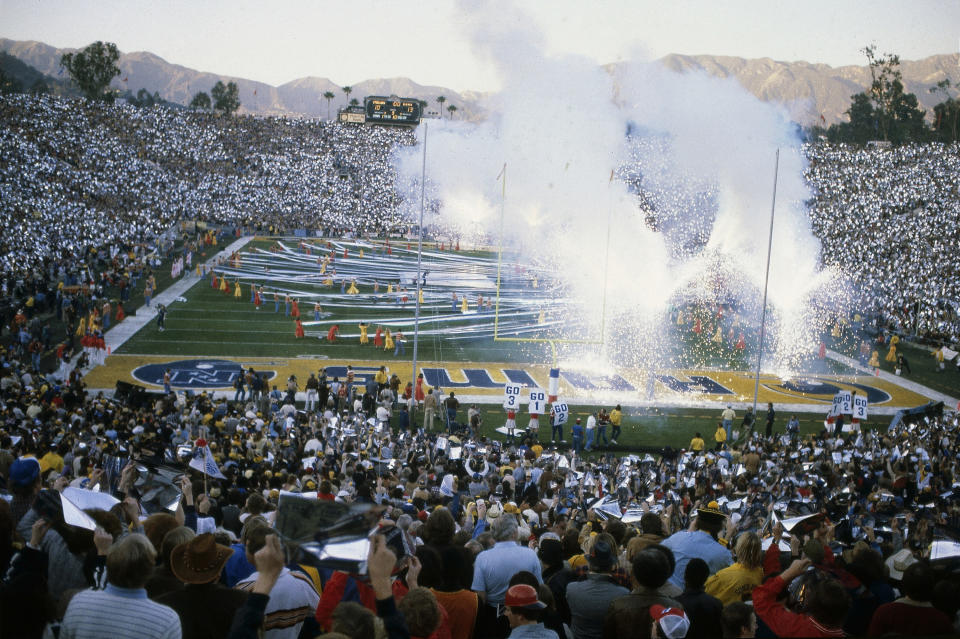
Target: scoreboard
{"type": "Point", "coordinates": [392, 110]}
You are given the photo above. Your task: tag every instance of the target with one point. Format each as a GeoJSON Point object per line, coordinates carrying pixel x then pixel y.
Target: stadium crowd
{"type": "Point", "coordinates": [81, 180]}
{"type": "Point", "coordinates": [172, 516]}
{"type": "Point", "coordinates": [819, 536]}
{"type": "Point", "coordinates": [890, 219]}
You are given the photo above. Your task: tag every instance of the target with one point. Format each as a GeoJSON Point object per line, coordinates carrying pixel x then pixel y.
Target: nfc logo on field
{"type": "Point", "coordinates": [194, 373]}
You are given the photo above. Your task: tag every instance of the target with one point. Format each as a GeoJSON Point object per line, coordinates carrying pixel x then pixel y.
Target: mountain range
{"type": "Point", "coordinates": [807, 91]}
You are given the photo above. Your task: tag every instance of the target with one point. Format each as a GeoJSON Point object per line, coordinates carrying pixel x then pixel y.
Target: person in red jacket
{"type": "Point", "coordinates": [827, 607]}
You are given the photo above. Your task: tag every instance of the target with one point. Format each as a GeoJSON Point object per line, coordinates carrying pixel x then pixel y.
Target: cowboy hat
{"type": "Point", "coordinates": [199, 560]}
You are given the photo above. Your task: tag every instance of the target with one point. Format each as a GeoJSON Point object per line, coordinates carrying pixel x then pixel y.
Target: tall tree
{"type": "Point", "coordinates": [93, 68]}
{"type": "Point", "coordinates": [328, 95]}
{"type": "Point", "coordinates": [201, 101]}
{"type": "Point", "coordinates": [946, 113]}
{"type": "Point", "coordinates": [884, 111]}
{"type": "Point", "coordinates": [451, 110]}
{"type": "Point", "coordinates": [354, 102]}
{"type": "Point", "coordinates": [348, 90]}
{"type": "Point", "coordinates": [899, 118]}
{"type": "Point", "coordinates": [226, 99]}
{"type": "Point", "coordinates": [884, 72]}
{"type": "Point", "coordinates": [440, 100]}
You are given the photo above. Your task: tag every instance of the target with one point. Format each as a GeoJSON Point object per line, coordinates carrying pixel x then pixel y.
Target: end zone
{"type": "Point", "coordinates": [484, 382]}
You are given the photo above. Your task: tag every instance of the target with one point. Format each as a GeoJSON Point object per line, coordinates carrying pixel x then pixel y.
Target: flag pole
{"type": "Point", "coordinates": [206, 452]}
{"type": "Point", "coordinates": [503, 208]}
{"type": "Point", "coordinates": [766, 281]}
{"type": "Point", "coordinates": [416, 312]}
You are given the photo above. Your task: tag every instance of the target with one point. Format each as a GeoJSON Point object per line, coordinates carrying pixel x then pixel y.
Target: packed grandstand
{"type": "Point", "coordinates": [859, 530]}
{"type": "Point", "coordinates": [80, 177]}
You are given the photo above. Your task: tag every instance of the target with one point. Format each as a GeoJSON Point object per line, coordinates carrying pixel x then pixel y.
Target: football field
{"type": "Point", "coordinates": [212, 332]}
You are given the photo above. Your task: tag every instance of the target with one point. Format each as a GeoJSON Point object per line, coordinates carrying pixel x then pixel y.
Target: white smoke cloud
{"type": "Point", "coordinates": [559, 124]}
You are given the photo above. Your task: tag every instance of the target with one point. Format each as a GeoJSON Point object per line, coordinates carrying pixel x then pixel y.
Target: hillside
{"type": "Point", "coordinates": [806, 90]}
{"type": "Point", "coordinates": [809, 90]}
{"type": "Point", "coordinates": [26, 78]}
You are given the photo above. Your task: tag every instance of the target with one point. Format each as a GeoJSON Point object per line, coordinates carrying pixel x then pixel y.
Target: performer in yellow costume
{"type": "Point", "coordinates": [81, 327]}
{"type": "Point", "coordinates": [353, 290]}
{"type": "Point", "coordinates": [464, 305]}
{"type": "Point", "coordinates": [874, 359]}
{"type": "Point", "coordinates": [223, 283]}
{"type": "Point", "coordinates": [387, 340]}
{"type": "Point", "coordinates": [892, 353]}
{"type": "Point", "coordinates": [237, 294]}
{"type": "Point", "coordinates": [717, 336]}
{"type": "Point", "coordinates": [363, 333]}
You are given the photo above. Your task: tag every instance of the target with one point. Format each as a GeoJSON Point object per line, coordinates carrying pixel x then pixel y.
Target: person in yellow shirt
{"type": "Point", "coordinates": [720, 436]}
{"type": "Point", "coordinates": [733, 582]}
{"type": "Point", "coordinates": [616, 419]}
{"type": "Point", "coordinates": [381, 378]}
{"type": "Point", "coordinates": [52, 459]}
{"type": "Point", "coordinates": [697, 444]}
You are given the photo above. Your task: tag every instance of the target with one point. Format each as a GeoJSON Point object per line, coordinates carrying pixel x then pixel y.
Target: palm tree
{"type": "Point", "coordinates": [452, 109]}
{"type": "Point", "coordinates": [328, 95]}
{"type": "Point", "coordinates": [440, 100]}
{"type": "Point", "coordinates": [347, 90]}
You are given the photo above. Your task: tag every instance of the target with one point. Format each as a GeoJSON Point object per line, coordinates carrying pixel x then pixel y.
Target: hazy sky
{"type": "Point", "coordinates": [353, 40]}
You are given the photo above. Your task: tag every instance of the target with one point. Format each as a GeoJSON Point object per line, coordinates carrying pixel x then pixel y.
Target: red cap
{"type": "Point", "coordinates": [523, 596]}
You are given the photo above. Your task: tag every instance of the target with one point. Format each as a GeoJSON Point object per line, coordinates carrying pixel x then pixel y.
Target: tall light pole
{"type": "Point", "coordinates": [766, 281]}
{"type": "Point", "coordinates": [416, 313]}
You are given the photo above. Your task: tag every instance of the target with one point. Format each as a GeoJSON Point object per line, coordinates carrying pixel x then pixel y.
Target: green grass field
{"type": "Point", "coordinates": [652, 428]}
{"type": "Point", "coordinates": [212, 323]}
